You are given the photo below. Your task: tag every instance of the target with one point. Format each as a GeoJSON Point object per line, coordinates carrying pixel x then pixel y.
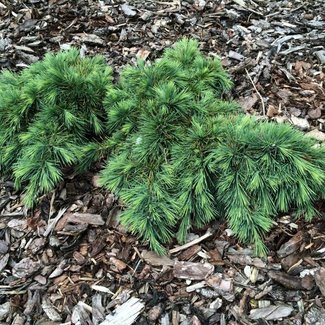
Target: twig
{"type": "Point", "coordinates": [192, 243]}
{"type": "Point", "coordinates": [52, 205]}
{"type": "Point", "coordinates": [52, 223]}
{"type": "Point", "coordinates": [12, 214]}
{"type": "Point", "coordinates": [13, 292]}
{"type": "Point", "coordinates": [258, 93]}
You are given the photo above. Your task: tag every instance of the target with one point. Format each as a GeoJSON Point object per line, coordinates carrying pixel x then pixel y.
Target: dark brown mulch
{"type": "Point", "coordinates": [69, 260]}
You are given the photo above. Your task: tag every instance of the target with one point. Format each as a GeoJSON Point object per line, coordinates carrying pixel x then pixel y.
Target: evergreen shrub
{"type": "Point", "coordinates": [181, 156]}
{"type": "Point", "coordinates": [48, 113]}
{"type": "Point", "coordinates": [178, 154]}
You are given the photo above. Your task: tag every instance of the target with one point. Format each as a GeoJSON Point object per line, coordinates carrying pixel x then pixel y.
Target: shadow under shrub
{"type": "Point", "coordinates": [181, 156]}
{"type": "Point", "coordinates": [48, 113]}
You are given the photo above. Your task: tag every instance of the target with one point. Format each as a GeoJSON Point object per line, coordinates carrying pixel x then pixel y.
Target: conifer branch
{"type": "Point", "coordinates": [50, 112]}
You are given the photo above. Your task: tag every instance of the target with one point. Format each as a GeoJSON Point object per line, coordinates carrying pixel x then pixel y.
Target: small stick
{"type": "Point", "coordinates": [191, 243]}
{"type": "Point", "coordinates": [258, 93]}
{"type": "Point", "coordinates": [52, 223]}
{"type": "Point", "coordinates": [12, 214]}
{"type": "Point", "coordinates": [51, 205]}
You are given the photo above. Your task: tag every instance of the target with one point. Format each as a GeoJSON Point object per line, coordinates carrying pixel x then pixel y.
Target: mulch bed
{"type": "Point", "coordinates": [70, 261]}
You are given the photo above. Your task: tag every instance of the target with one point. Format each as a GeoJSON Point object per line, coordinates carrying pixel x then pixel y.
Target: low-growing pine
{"type": "Point", "coordinates": [178, 154]}
{"type": "Point", "coordinates": [49, 112]}
{"type": "Point", "coordinates": [181, 156]}
{"type": "Point", "coordinates": [266, 169]}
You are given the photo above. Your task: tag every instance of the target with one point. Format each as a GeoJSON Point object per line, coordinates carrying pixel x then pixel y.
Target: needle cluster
{"type": "Point", "coordinates": [48, 112]}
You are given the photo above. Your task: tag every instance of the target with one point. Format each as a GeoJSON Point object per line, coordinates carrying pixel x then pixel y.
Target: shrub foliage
{"type": "Point", "coordinates": [178, 154]}
{"type": "Point", "coordinates": [48, 112]}
{"type": "Point", "coordinates": [181, 156]}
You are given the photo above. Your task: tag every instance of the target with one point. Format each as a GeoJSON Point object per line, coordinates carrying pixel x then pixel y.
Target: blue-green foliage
{"type": "Point", "coordinates": [181, 156]}
{"type": "Point", "coordinates": [48, 113]}
{"type": "Point", "coordinates": [160, 124]}
{"type": "Point", "coordinates": [265, 169]}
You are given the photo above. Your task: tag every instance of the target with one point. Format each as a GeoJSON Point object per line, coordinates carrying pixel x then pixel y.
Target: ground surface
{"type": "Point", "coordinates": [69, 261]}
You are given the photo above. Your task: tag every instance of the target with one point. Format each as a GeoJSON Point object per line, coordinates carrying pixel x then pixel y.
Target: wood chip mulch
{"type": "Point", "coordinates": [69, 261]}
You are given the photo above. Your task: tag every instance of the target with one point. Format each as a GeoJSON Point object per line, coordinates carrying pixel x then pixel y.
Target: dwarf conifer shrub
{"type": "Point", "coordinates": [181, 156]}
{"type": "Point", "coordinates": [266, 169]}
{"type": "Point", "coordinates": [156, 118]}
{"type": "Point", "coordinates": [48, 113]}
